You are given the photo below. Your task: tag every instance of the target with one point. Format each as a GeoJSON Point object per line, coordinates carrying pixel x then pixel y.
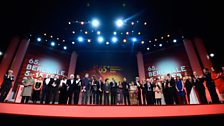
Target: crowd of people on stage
{"type": "Point", "coordinates": [169, 90]}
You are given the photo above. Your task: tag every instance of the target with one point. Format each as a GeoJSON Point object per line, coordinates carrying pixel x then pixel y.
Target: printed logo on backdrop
{"type": "Point", "coordinates": [172, 60]}
{"type": "Point", "coordinates": [43, 68]}
{"type": "Point", "coordinates": [43, 63]}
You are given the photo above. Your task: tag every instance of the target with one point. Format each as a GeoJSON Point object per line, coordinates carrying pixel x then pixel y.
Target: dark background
{"type": "Point", "coordinates": [188, 17]}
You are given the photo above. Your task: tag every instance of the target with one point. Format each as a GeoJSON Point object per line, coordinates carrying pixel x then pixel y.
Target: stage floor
{"type": "Point", "coordinates": [92, 111]}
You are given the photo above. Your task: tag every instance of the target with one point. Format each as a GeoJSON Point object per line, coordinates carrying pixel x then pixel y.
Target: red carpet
{"type": "Point", "coordinates": [109, 111]}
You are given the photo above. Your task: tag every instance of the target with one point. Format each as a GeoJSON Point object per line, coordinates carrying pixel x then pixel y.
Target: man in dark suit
{"type": "Point", "coordinates": [139, 86]}
{"type": "Point", "coordinates": [171, 91]}
{"type": "Point", "coordinates": [86, 82]}
{"type": "Point", "coordinates": [114, 87]}
{"type": "Point", "coordinates": [71, 88]}
{"type": "Point", "coordinates": [126, 88]}
{"type": "Point", "coordinates": [99, 91]}
{"type": "Point", "coordinates": [106, 90]}
{"type": "Point", "coordinates": [6, 85]}
{"type": "Point", "coordinates": [54, 88]}
{"type": "Point", "coordinates": [46, 91]}
{"type": "Point", "coordinates": [77, 88]}
{"type": "Point", "coordinates": [149, 91]}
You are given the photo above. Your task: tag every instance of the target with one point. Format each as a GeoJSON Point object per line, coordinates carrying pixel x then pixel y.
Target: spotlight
{"type": "Point", "coordinates": [124, 40]}
{"type": "Point", "coordinates": [139, 33]}
{"type": "Point", "coordinates": [150, 41]}
{"type": "Point", "coordinates": [95, 23]}
{"type": "Point", "coordinates": [161, 37]}
{"type": "Point", "coordinates": [142, 42]}
{"type": "Point", "coordinates": [114, 39]}
{"type": "Point", "coordinates": [148, 48]}
{"type": "Point", "coordinates": [154, 45]}
{"type": "Point", "coordinates": [88, 40]}
{"type": "Point", "coordinates": [80, 39]}
{"type": "Point", "coordinates": [132, 31]}
{"type": "Point", "coordinates": [155, 40]}
{"type": "Point", "coordinates": [38, 39]}
{"type": "Point", "coordinates": [73, 32]}
{"type": "Point", "coordinates": [115, 33]}
{"type": "Point", "coordinates": [52, 43]}
{"type": "Point", "coordinates": [86, 32]}
{"type": "Point", "coordinates": [69, 22]}
{"type": "Point", "coordinates": [134, 39]}
{"type": "Point", "coordinates": [98, 33]}
{"type": "Point", "coordinates": [100, 39]}
{"type": "Point", "coordinates": [82, 22]}
{"type": "Point", "coordinates": [212, 55]}
{"type": "Point", "coordinates": [160, 45]}
{"type": "Point", "coordinates": [127, 33]}
{"type": "Point", "coordinates": [107, 43]}
{"type": "Point", "coordinates": [168, 35]}
{"type": "Point", "coordinates": [57, 38]}
{"type": "Point", "coordinates": [45, 34]}
{"type": "Point", "coordinates": [51, 36]}
{"type": "Point", "coordinates": [73, 43]}
{"type": "Point", "coordinates": [174, 41]}
{"type": "Point", "coordinates": [119, 23]}
{"type": "Point", "coordinates": [132, 23]}
{"type": "Point", "coordinates": [1, 53]}
{"type": "Point", "coordinates": [65, 47]}
{"type": "Point", "coordinates": [63, 40]}
{"type": "Point", "coordinates": [145, 23]}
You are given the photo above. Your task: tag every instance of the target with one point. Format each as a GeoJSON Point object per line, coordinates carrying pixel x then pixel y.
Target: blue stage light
{"type": "Point", "coordinates": [80, 39]}
{"type": "Point", "coordinates": [174, 41]}
{"type": "Point", "coordinates": [115, 33]}
{"type": "Point", "coordinates": [65, 47]}
{"type": "Point", "coordinates": [38, 39]}
{"type": "Point", "coordinates": [114, 39]}
{"type": "Point", "coordinates": [100, 39]}
{"type": "Point", "coordinates": [98, 32]}
{"type": "Point", "coordinates": [95, 23]}
{"type": "Point", "coordinates": [134, 39]}
{"type": "Point", "coordinates": [119, 23]}
{"type": "Point", "coordinates": [52, 43]}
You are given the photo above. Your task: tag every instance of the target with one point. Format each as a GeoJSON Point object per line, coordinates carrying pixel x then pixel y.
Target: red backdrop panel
{"type": "Point", "coordinates": [43, 61]}
{"type": "Point", "coordinates": [173, 60]}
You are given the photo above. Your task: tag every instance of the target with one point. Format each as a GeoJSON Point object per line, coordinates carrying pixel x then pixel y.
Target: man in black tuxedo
{"type": "Point", "coordinates": [86, 82]}
{"type": "Point", "coordinates": [99, 91]}
{"type": "Point", "coordinates": [171, 94]}
{"type": "Point", "coordinates": [77, 88]}
{"type": "Point", "coordinates": [126, 88]}
{"type": "Point", "coordinates": [71, 88]}
{"type": "Point", "coordinates": [149, 91]}
{"type": "Point", "coordinates": [6, 85]}
{"type": "Point", "coordinates": [46, 91]}
{"type": "Point", "coordinates": [139, 86]}
{"type": "Point", "coordinates": [54, 88]}
{"type": "Point", "coordinates": [114, 87]}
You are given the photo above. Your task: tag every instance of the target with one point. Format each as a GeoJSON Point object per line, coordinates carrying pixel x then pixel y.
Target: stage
{"type": "Point", "coordinates": [92, 111]}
